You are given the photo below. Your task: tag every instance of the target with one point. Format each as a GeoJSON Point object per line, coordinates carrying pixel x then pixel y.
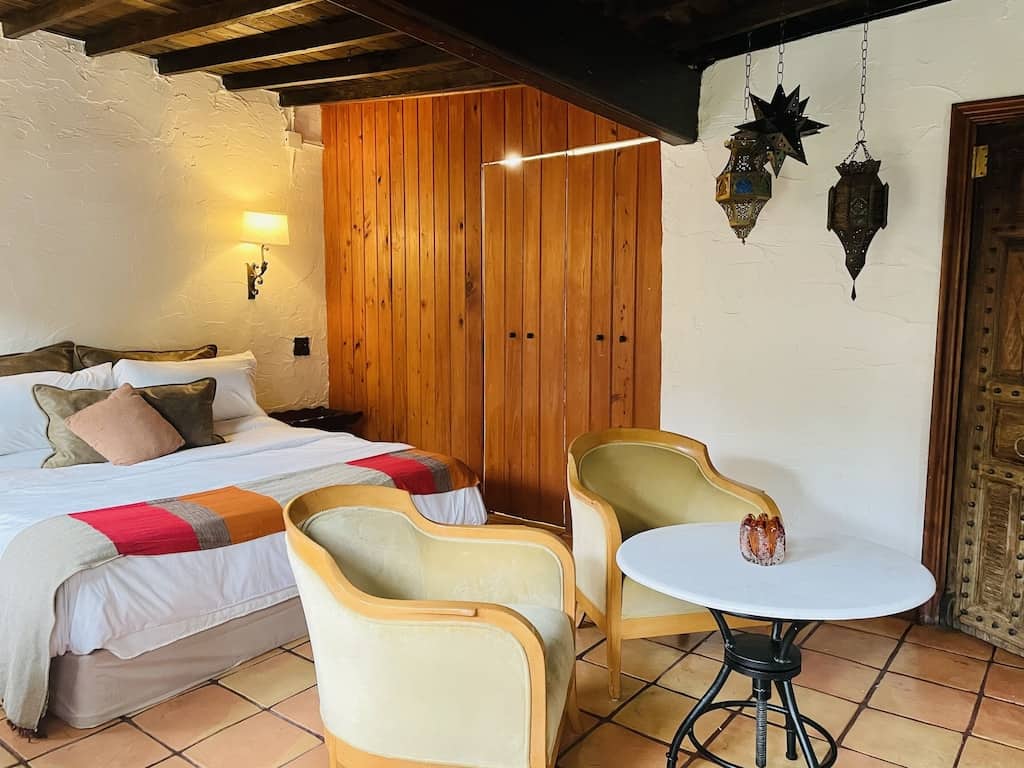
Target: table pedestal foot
{"type": "Point", "coordinates": [768, 661]}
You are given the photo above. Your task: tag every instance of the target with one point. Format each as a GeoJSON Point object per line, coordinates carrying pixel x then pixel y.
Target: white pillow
{"type": "Point", "coordinates": [235, 398]}
{"type": "Point", "coordinates": [22, 422]}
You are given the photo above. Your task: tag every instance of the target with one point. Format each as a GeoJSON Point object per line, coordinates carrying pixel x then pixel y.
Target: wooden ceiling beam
{"type": "Point", "coordinates": [122, 36]}
{"type": "Point", "coordinates": [817, 19]}
{"type": "Point", "coordinates": [20, 23]}
{"type": "Point", "coordinates": [750, 16]}
{"type": "Point", "coordinates": [582, 58]}
{"type": "Point", "coordinates": [346, 32]}
{"type": "Point", "coordinates": [418, 58]}
{"type": "Point", "coordinates": [420, 84]}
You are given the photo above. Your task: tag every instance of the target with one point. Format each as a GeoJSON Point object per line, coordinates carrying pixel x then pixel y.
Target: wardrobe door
{"type": "Point", "coordinates": [572, 293]}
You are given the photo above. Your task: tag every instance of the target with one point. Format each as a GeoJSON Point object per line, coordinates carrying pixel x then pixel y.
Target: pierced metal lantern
{"type": "Point", "coordinates": [744, 186]}
{"type": "Point", "coordinates": [858, 206]}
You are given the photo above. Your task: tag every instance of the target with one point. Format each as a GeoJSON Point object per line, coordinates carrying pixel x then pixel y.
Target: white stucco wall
{"type": "Point", "coordinates": [121, 195]}
{"type": "Point", "coordinates": [821, 401]}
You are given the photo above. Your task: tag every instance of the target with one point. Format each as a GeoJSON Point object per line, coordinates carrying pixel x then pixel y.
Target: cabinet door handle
{"type": "Point", "coordinates": [1017, 446]}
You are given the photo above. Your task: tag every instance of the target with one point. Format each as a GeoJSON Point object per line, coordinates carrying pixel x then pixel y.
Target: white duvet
{"type": "Point", "coordinates": [136, 604]}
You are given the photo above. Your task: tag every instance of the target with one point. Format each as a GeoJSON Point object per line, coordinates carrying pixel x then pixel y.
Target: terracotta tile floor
{"type": "Point", "coordinates": [894, 695]}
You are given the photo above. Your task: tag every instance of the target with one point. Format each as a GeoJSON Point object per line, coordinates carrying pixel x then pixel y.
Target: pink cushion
{"type": "Point", "coordinates": [125, 429]}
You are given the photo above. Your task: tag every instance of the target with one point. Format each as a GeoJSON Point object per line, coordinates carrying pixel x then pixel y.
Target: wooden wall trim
{"type": "Point", "coordinates": [956, 251]}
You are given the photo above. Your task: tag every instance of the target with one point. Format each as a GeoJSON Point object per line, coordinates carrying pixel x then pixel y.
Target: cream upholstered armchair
{"type": "Point", "coordinates": [434, 645]}
{"type": "Point", "coordinates": [622, 482]}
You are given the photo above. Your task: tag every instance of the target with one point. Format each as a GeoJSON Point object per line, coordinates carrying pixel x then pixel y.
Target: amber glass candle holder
{"type": "Point", "coordinates": [762, 540]}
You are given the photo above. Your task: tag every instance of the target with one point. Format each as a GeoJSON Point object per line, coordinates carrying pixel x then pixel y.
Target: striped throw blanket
{"type": "Point", "coordinates": [45, 555]}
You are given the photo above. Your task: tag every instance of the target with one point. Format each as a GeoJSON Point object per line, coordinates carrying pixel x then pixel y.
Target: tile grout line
{"type": "Point", "coordinates": [974, 714]}
{"type": "Point", "coordinates": [863, 705]}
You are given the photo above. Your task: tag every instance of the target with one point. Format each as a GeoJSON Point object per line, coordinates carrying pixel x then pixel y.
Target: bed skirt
{"type": "Point", "coordinates": [86, 691]}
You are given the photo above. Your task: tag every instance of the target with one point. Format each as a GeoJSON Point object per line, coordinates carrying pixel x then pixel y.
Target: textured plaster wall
{"type": "Point", "coordinates": [822, 401]}
{"type": "Point", "coordinates": [121, 195]}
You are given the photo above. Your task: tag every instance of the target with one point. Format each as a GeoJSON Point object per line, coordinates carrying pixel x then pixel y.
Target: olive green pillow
{"type": "Point", "coordinates": [188, 407]}
{"type": "Point", "coordinates": [87, 357]}
{"type": "Point", "coordinates": [56, 357]}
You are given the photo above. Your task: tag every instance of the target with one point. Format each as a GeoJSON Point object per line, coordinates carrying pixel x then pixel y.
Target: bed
{"type": "Point", "coordinates": [139, 629]}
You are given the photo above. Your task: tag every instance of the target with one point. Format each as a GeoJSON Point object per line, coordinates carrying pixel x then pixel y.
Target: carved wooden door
{"type": "Point", "coordinates": [986, 570]}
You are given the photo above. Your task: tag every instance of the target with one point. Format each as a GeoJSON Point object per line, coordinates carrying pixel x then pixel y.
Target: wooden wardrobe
{"type": "Point", "coordinates": [492, 312]}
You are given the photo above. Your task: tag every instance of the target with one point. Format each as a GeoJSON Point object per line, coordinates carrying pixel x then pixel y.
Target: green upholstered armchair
{"type": "Point", "coordinates": [622, 482]}
{"type": "Point", "coordinates": [434, 645]}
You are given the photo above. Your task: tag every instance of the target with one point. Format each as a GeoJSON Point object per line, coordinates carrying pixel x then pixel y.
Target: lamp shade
{"type": "Point", "coordinates": [265, 228]}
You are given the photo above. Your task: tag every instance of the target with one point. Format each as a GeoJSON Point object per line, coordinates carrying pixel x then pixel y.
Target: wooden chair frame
{"type": "Point", "coordinates": [615, 628]}
{"type": "Point", "coordinates": [300, 509]}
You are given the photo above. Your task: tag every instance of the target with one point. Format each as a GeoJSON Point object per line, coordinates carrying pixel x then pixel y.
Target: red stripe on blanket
{"type": "Point", "coordinates": [408, 474]}
{"type": "Point", "coordinates": [142, 529]}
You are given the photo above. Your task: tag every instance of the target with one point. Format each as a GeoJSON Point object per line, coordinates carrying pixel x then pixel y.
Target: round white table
{"type": "Point", "coordinates": [820, 579]}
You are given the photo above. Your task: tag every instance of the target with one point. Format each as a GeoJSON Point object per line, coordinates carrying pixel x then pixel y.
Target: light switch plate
{"type": "Point", "coordinates": [300, 346]}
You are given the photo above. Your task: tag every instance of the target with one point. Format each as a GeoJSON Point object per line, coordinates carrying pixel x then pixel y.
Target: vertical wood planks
{"type": "Point", "coordinates": [531, 488]}
{"type": "Point", "coordinates": [357, 292]}
{"type": "Point", "coordinates": [431, 262]}
{"type": "Point", "coordinates": [344, 234]}
{"type": "Point", "coordinates": [457, 274]}
{"type": "Point", "coordinates": [474, 286]}
{"type": "Point", "coordinates": [370, 262]}
{"type": "Point", "coordinates": [385, 318]}
{"type": "Point", "coordinates": [414, 348]}
{"type": "Point", "coordinates": [492, 106]}
{"type": "Point", "coordinates": [580, 209]}
{"type": "Point", "coordinates": [600, 338]}
{"type": "Point", "coordinates": [398, 282]}
{"type": "Point", "coordinates": [623, 285]}
{"type": "Point", "coordinates": [513, 335]}
{"type": "Point", "coordinates": [442, 279]}
{"type": "Point", "coordinates": [428, 377]}
{"type": "Point", "coordinates": [554, 137]}
{"type": "Point", "coordinates": [337, 341]}
{"type": "Point", "coordinates": [647, 351]}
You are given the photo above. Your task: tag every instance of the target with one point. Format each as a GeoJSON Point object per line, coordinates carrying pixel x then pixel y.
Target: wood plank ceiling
{"type": "Point", "coordinates": [637, 62]}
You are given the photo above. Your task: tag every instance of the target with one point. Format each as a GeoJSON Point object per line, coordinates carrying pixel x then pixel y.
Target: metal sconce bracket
{"type": "Point", "coordinates": [255, 272]}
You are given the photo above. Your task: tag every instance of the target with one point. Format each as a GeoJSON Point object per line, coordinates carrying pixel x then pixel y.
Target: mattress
{"type": "Point", "coordinates": [134, 605]}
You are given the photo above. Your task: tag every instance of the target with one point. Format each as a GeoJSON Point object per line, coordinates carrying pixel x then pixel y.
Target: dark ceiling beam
{"type": "Point", "coordinates": [806, 25]}
{"type": "Point", "coordinates": [558, 48]}
{"type": "Point", "coordinates": [751, 16]}
{"type": "Point", "coordinates": [418, 58]}
{"type": "Point", "coordinates": [124, 35]}
{"type": "Point", "coordinates": [20, 23]}
{"type": "Point", "coordinates": [420, 84]}
{"type": "Point", "coordinates": [347, 32]}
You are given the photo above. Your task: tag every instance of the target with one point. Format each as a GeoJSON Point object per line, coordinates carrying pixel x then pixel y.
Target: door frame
{"type": "Point", "coordinates": [965, 120]}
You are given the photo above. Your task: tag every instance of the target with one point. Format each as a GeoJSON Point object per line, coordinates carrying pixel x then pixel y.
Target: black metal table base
{"type": "Point", "coordinates": [769, 661]}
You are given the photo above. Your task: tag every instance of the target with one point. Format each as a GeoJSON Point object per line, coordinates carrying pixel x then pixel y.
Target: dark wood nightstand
{"type": "Point", "coordinates": [327, 419]}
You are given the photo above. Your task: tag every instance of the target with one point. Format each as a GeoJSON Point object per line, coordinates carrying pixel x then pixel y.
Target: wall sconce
{"type": "Point", "coordinates": [264, 230]}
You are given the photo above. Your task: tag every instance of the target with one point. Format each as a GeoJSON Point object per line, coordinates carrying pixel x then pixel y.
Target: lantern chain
{"type": "Point", "coordinates": [746, 83]}
{"type": "Point", "coordinates": [862, 142]}
{"type": "Point", "coordinates": [782, 50]}
{"type": "Point", "coordinates": [861, 135]}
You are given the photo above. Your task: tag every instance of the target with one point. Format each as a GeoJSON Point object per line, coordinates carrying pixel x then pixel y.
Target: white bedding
{"type": "Point", "coordinates": [136, 604]}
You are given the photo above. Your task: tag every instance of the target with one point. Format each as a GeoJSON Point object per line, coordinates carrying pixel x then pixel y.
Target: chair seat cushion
{"type": "Point", "coordinates": [556, 632]}
{"type": "Point", "coordinates": [640, 602]}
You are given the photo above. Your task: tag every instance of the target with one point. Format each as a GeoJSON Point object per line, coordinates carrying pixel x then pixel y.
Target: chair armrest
{"type": "Point", "coordinates": [498, 564]}
{"type": "Point", "coordinates": [596, 537]}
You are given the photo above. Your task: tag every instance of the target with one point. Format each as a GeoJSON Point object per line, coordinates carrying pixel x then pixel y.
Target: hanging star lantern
{"type": "Point", "coordinates": [782, 124]}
